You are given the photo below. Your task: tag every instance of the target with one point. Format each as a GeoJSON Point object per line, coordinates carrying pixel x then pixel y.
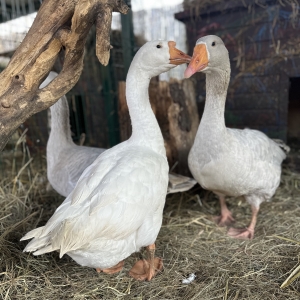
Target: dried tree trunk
{"type": "Point", "coordinates": [60, 24]}
{"type": "Point", "coordinates": [174, 105]}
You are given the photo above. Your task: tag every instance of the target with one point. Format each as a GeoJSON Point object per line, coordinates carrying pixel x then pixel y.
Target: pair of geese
{"type": "Point", "coordinates": [66, 161]}
{"type": "Point", "coordinates": [117, 204]}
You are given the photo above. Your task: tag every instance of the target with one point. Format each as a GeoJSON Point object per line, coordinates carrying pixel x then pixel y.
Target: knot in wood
{"type": "Point", "coordinates": [18, 78]}
{"type": "Point", "coordinates": [5, 103]}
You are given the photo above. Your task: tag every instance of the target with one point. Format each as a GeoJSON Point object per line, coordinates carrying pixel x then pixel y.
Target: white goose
{"type": "Point", "coordinates": [230, 162]}
{"type": "Point", "coordinates": [65, 160]}
{"type": "Point", "coordinates": [116, 206]}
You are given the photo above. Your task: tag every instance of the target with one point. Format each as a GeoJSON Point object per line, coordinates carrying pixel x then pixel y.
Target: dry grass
{"type": "Point", "coordinates": [189, 242]}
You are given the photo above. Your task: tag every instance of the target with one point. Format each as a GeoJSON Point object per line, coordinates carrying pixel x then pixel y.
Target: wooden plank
{"type": "Point", "coordinates": [124, 119]}
{"type": "Point", "coordinates": [267, 24]}
{"type": "Point", "coordinates": [252, 118]}
{"type": "Point", "coordinates": [254, 84]}
{"type": "Point", "coordinates": [184, 121]}
{"type": "Point", "coordinates": [251, 101]}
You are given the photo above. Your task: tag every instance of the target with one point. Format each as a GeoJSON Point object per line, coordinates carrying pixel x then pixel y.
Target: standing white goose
{"type": "Point", "coordinates": [65, 160]}
{"type": "Point", "coordinates": [116, 206]}
{"type": "Point", "coordinates": [230, 162]}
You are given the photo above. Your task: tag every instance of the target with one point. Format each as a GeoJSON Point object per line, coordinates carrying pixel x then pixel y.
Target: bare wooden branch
{"type": "Point", "coordinates": [103, 40]}
{"type": "Point", "coordinates": [103, 24]}
{"type": "Point", "coordinates": [59, 24]}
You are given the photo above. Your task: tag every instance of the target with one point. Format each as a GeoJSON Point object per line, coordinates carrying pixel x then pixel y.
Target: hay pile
{"type": "Point", "coordinates": [189, 242]}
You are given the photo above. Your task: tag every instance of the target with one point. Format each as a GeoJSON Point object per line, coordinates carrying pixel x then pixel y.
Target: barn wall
{"type": "Point", "coordinates": [258, 91]}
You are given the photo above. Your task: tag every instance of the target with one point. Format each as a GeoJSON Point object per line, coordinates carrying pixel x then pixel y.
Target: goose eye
{"type": "Point", "coordinates": [213, 43]}
{"type": "Point", "coordinates": [158, 46]}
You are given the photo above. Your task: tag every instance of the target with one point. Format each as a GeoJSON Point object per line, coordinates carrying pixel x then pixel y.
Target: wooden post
{"type": "Point", "coordinates": [124, 119]}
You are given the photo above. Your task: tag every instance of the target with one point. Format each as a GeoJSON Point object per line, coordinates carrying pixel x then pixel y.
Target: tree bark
{"type": "Point", "coordinates": [175, 107]}
{"type": "Point", "coordinates": [60, 25]}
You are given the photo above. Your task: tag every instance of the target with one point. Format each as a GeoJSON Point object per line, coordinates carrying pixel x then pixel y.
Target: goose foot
{"type": "Point", "coordinates": [245, 233]}
{"type": "Point", "coordinates": [224, 219]}
{"type": "Point", "coordinates": [147, 269]}
{"type": "Point", "coordinates": [117, 268]}
{"type": "Point", "coordinates": [241, 233]}
{"type": "Point", "coordinates": [142, 269]}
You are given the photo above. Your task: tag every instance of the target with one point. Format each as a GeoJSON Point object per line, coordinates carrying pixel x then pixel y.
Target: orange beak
{"type": "Point", "coordinates": [199, 61]}
{"type": "Point", "coordinates": [177, 57]}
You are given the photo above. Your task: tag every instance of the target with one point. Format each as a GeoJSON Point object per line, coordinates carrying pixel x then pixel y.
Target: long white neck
{"type": "Point", "coordinates": [60, 133]}
{"type": "Point", "coordinates": [213, 121]}
{"type": "Point", "coordinates": [145, 129]}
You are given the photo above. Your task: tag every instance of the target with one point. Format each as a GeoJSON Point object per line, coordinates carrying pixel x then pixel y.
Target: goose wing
{"type": "Point", "coordinates": [262, 147]}
{"type": "Point", "coordinates": [111, 200]}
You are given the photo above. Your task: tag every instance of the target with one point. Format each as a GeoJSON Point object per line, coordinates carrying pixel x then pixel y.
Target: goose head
{"type": "Point", "coordinates": [157, 57]}
{"type": "Point", "coordinates": [210, 54]}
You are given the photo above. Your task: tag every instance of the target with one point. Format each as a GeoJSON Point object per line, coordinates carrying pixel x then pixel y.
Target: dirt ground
{"type": "Point", "coordinates": [189, 242]}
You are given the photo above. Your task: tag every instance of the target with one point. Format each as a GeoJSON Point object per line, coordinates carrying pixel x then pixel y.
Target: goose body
{"type": "Point", "coordinates": [230, 162]}
{"type": "Point", "coordinates": [116, 206]}
{"type": "Point", "coordinates": [65, 160]}
{"type": "Point", "coordinates": [238, 163]}
{"type": "Point", "coordinates": [121, 215]}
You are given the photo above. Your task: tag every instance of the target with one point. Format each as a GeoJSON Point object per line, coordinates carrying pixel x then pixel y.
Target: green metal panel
{"type": "Point", "coordinates": [127, 37]}
{"type": "Point", "coordinates": [109, 90]}
{"type": "Point", "coordinates": [78, 122]}
{"type": "Point", "coordinates": [109, 78]}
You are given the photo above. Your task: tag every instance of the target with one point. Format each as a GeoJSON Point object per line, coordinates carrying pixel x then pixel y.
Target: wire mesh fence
{"type": "Point", "coordinates": [11, 9]}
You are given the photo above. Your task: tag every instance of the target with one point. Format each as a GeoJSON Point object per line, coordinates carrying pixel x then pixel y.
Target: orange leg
{"type": "Point", "coordinates": [117, 268]}
{"type": "Point", "coordinates": [147, 269]}
{"type": "Point", "coordinates": [226, 218]}
{"type": "Point", "coordinates": [245, 233]}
